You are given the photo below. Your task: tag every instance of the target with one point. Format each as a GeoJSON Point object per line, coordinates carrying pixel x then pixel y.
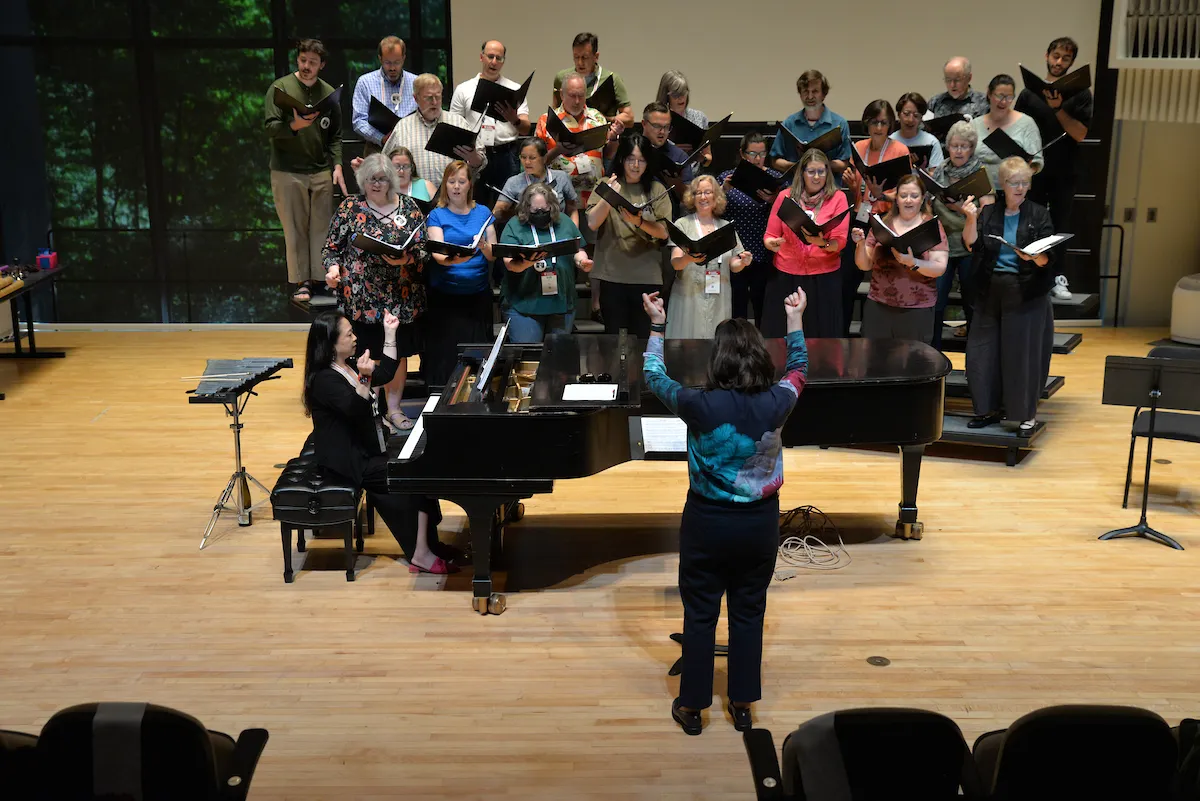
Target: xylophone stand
{"type": "Point", "coordinates": [236, 496]}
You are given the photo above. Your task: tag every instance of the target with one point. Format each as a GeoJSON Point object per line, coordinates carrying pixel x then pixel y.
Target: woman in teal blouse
{"type": "Point", "coordinates": [538, 297]}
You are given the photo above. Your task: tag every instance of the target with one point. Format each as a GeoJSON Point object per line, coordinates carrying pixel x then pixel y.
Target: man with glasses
{"type": "Point", "coordinates": [1054, 186]}
{"type": "Point", "coordinates": [414, 131]}
{"type": "Point", "coordinates": [501, 127]}
{"type": "Point", "coordinates": [391, 84]}
{"type": "Point", "coordinates": [811, 121]}
{"type": "Point", "coordinates": [959, 97]}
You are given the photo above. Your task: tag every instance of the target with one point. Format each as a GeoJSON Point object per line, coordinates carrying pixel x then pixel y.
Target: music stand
{"type": "Point", "coordinates": [1166, 384]}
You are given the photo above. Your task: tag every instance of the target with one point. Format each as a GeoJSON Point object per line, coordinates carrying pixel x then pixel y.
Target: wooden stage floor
{"type": "Point", "coordinates": [392, 687]}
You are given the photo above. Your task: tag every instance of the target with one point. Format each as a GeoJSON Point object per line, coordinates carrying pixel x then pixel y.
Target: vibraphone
{"type": "Point", "coordinates": [231, 382]}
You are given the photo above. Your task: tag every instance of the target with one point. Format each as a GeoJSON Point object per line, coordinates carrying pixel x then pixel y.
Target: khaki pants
{"type": "Point", "coordinates": [305, 205]}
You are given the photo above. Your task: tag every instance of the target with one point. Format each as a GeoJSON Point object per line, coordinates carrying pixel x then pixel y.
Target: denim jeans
{"type": "Point", "coordinates": [945, 282]}
{"type": "Point", "coordinates": [534, 327]}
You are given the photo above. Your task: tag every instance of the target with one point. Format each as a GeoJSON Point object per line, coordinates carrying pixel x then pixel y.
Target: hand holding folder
{"type": "Point", "coordinates": [708, 247]}
{"type": "Point", "coordinates": [918, 240]}
{"type": "Point", "coordinates": [1066, 87]}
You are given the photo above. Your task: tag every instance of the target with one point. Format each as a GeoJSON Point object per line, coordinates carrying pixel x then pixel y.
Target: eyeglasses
{"type": "Point", "coordinates": [634, 161]}
{"type": "Point", "coordinates": [491, 57]}
{"type": "Point", "coordinates": [1018, 184]}
{"type": "Point", "coordinates": [960, 146]}
{"type": "Point", "coordinates": [403, 167]}
{"type": "Point", "coordinates": [399, 63]}
{"type": "Point", "coordinates": [879, 123]}
{"type": "Point", "coordinates": [1003, 98]}
{"type": "Point", "coordinates": [656, 126]}
{"type": "Point", "coordinates": [754, 154]}
{"type": "Point", "coordinates": [378, 180]}
{"type": "Point", "coordinates": [703, 193]}
{"type": "Point", "coordinates": [430, 98]}
{"type": "Point", "coordinates": [815, 173]}
{"type": "Point", "coordinates": [910, 115]}
{"type": "Point", "coordinates": [951, 81]}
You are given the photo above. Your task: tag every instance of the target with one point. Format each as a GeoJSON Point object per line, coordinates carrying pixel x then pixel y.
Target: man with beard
{"type": "Point", "coordinates": [391, 84]}
{"type": "Point", "coordinates": [814, 120]}
{"type": "Point", "coordinates": [1054, 186]}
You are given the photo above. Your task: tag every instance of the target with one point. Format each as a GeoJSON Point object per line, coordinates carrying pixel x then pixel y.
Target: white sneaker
{"type": "Point", "coordinates": [1061, 290]}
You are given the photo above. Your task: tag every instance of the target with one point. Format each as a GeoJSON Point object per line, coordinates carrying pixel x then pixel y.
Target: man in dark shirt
{"type": "Point", "coordinates": [1054, 186]}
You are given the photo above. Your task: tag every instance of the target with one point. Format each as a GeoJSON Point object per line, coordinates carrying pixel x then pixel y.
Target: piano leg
{"type": "Point", "coordinates": [482, 514]}
{"type": "Point", "coordinates": [907, 526]}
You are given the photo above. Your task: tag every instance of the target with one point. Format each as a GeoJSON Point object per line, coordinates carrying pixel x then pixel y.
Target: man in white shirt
{"type": "Point", "coordinates": [414, 131]}
{"type": "Point", "coordinates": [391, 84]}
{"type": "Point", "coordinates": [502, 127]}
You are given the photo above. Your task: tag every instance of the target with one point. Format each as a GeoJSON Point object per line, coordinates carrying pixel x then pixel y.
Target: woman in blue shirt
{"type": "Point", "coordinates": [729, 534]}
{"type": "Point", "coordinates": [538, 297]}
{"type": "Point", "coordinates": [460, 294]}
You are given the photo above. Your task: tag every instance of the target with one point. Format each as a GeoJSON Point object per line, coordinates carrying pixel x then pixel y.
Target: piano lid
{"type": "Point", "coordinates": [588, 359]}
{"type": "Point", "coordinates": [844, 361]}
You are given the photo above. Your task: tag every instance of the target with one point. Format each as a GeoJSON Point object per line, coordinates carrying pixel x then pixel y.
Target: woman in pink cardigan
{"type": "Point", "coordinates": [807, 261]}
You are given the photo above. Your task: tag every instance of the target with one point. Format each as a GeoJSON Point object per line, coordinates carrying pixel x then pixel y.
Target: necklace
{"type": "Point", "coordinates": [380, 213]}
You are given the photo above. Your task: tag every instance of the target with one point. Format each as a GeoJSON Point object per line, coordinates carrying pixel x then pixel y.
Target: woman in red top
{"type": "Point", "coordinates": [805, 261]}
{"type": "Point", "coordinates": [903, 285]}
{"type": "Point", "coordinates": [879, 119]}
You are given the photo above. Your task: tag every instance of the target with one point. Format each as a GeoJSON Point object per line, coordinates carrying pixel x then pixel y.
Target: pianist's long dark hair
{"type": "Point", "coordinates": [318, 353]}
{"type": "Point", "coordinates": [740, 360]}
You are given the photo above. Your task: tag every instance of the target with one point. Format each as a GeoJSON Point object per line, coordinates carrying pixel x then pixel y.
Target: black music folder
{"type": "Point", "coordinates": [490, 93]}
{"type": "Point", "coordinates": [940, 126]}
{"type": "Point", "coordinates": [1006, 147]}
{"type": "Point", "coordinates": [380, 117]}
{"type": "Point", "coordinates": [922, 154]}
{"type": "Point", "coordinates": [711, 246]}
{"type": "Point", "coordinates": [446, 137]}
{"type": "Point", "coordinates": [750, 179]}
{"type": "Point", "coordinates": [663, 164]}
{"type": "Point", "coordinates": [686, 132]}
{"type": "Point", "coordinates": [565, 247]}
{"type": "Point", "coordinates": [887, 173]}
{"type": "Point", "coordinates": [1068, 85]}
{"type": "Point", "coordinates": [795, 217]}
{"type": "Point", "coordinates": [425, 206]}
{"type": "Point", "coordinates": [583, 141]}
{"type": "Point", "coordinates": [448, 248]}
{"type": "Point", "coordinates": [370, 244]}
{"type": "Point", "coordinates": [1036, 247]}
{"type": "Point", "coordinates": [323, 106]}
{"type": "Point", "coordinates": [825, 142]}
{"type": "Point", "coordinates": [619, 201]}
{"type": "Point", "coordinates": [977, 184]}
{"type": "Point", "coordinates": [925, 236]}
{"type": "Point", "coordinates": [604, 98]}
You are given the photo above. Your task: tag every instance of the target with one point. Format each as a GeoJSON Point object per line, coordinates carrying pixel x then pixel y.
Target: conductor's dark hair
{"type": "Point", "coordinates": [1003, 79]}
{"type": "Point", "coordinates": [585, 38]}
{"type": "Point", "coordinates": [1066, 43]}
{"type": "Point", "coordinates": [625, 147]}
{"type": "Point", "coordinates": [740, 361]}
{"type": "Point", "coordinates": [318, 353]}
{"type": "Point", "coordinates": [877, 107]}
{"type": "Point", "coordinates": [313, 46]}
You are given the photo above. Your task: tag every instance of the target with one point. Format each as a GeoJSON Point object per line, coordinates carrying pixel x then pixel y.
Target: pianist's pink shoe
{"type": "Point", "coordinates": [439, 567]}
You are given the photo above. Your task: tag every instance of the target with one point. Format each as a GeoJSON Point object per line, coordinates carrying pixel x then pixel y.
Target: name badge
{"type": "Point", "coordinates": [395, 99]}
{"type": "Point", "coordinates": [549, 281]}
{"type": "Point", "coordinates": [712, 282]}
{"type": "Point", "coordinates": [583, 164]}
{"type": "Point", "coordinates": [864, 212]}
{"type": "Point", "coordinates": [487, 134]}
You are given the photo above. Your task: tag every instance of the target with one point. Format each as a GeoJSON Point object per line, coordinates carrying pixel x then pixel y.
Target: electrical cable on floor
{"type": "Point", "coordinates": [803, 536]}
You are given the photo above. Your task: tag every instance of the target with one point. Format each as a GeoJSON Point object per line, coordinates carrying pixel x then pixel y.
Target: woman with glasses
{"type": "Point", "coordinates": [878, 117]}
{"type": "Point", "coordinates": [749, 215]}
{"type": "Point", "coordinates": [960, 141]}
{"type": "Point", "coordinates": [673, 92]}
{"type": "Point", "coordinates": [903, 285]}
{"type": "Point", "coordinates": [627, 260]}
{"type": "Point", "coordinates": [371, 285]}
{"type": "Point", "coordinates": [1001, 115]}
{"type": "Point", "coordinates": [701, 295]}
{"type": "Point", "coordinates": [534, 170]}
{"type": "Point", "coordinates": [410, 184]}
{"type": "Point", "coordinates": [807, 262]}
{"type": "Point", "coordinates": [910, 109]}
{"type": "Point", "coordinates": [1012, 334]}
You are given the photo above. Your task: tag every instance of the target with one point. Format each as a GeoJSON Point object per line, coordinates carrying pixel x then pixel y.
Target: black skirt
{"type": "Point", "coordinates": [822, 316]}
{"type": "Point", "coordinates": [370, 337]}
{"type": "Point", "coordinates": [451, 320]}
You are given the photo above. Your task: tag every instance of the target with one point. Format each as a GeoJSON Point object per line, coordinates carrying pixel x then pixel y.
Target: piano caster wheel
{"type": "Point", "coordinates": [909, 531]}
{"type": "Point", "coordinates": [493, 604]}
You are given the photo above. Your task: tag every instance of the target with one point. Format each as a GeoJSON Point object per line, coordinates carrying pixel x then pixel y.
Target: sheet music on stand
{"type": "Point", "coordinates": [666, 435]}
{"type": "Point", "coordinates": [418, 429]}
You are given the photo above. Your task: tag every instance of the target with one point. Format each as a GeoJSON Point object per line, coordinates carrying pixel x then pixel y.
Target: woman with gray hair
{"type": "Point", "coordinates": [368, 285]}
{"type": "Point", "coordinates": [961, 141]}
{"type": "Point", "coordinates": [537, 297]}
{"type": "Point", "coordinates": [673, 92]}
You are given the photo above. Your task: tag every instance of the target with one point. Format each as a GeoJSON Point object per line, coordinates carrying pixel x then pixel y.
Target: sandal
{"type": "Point", "coordinates": [406, 423]}
{"type": "Point", "coordinates": [439, 568]}
{"type": "Point", "coordinates": [302, 294]}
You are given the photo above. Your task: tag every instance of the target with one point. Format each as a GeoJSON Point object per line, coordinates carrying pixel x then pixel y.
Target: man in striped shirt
{"type": "Point", "coordinates": [414, 131]}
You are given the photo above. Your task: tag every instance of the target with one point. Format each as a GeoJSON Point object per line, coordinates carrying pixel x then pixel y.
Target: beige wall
{"type": "Point", "coordinates": [1150, 158]}
{"type": "Point", "coordinates": [743, 57]}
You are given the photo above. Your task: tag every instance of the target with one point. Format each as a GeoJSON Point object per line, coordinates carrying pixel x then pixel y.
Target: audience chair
{"type": "Point", "coordinates": [143, 752]}
{"type": "Point", "coordinates": [866, 755]}
{"type": "Point", "coordinates": [1180, 426]}
{"type": "Point", "coordinates": [1104, 753]}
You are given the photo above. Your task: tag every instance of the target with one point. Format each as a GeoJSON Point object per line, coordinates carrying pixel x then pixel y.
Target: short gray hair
{"type": "Point", "coordinates": [966, 64]}
{"type": "Point", "coordinates": [377, 164]}
{"type": "Point", "coordinates": [963, 130]}
{"type": "Point", "coordinates": [572, 77]}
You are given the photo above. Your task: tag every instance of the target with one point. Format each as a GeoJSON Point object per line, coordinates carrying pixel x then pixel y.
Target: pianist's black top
{"type": "Point", "coordinates": [345, 430]}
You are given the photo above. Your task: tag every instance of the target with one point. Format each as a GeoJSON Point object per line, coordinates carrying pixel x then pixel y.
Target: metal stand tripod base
{"type": "Point", "coordinates": [677, 668]}
{"type": "Point", "coordinates": [236, 497]}
{"type": "Point", "coordinates": [1142, 530]}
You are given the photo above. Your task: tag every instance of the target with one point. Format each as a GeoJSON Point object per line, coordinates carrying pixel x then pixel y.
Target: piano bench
{"type": "Point", "coordinates": [307, 497]}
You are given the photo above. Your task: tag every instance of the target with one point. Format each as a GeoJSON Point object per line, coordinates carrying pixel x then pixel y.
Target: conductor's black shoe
{"type": "Point", "coordinates": [688, 721]}
{"type": "Point", "coordinates": [984, 420]}
{"type": "Point", "coordinates": [741, 717]}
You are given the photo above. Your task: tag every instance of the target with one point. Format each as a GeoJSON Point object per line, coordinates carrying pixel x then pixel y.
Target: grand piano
{"type": "Point", "coordinates": [510, 396]}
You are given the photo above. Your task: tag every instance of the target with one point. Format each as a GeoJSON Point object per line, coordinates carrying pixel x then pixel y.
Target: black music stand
{"type": "Point", "coordinates": [1168, 384]}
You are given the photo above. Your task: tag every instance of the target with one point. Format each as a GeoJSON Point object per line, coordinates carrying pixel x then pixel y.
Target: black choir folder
{"type": "Point", "coordinates": [711, 246]}
{"type": "Point", "coordinates": [922, 154]}
{"type": "Point", "coordinates": [686, 132]}
{"type": "Point", "coordinates": [380, 117]}
{"type": "Point", "coordinates": [795, 217]}
{"type": "Point", "coordinates": [940, 126]}
{"type": "Point", "coordinates": [582, 141]}
{"type": "Point", "coordinates": [604, 98]}
{"type": "Point", "coordinates": [977, 184]}
{"type": "Point", "coordinates": [825, 142]}
{"type": "Point", "coordinates": [446, 137]}
{"type": "Point", "coordinates": [490, 93]}
{"type": "Point", "coordinates": [617, 200]}
{"type": "Point", "coordinates": [1068, 85]}
{"type": "Point", "coordinates": [887, 173]}
{"type": "Point", "coordinates": [925, 236]}
{"type": "Point", "coordinates": [565, 247]}
{"type": "Point", "coordinates": [323, 106]}
{"type": "Point", "coordinates": [1006, 147]}
{"type": "Point", "coordinates": [750, 179]}
{"type": "Point", "coordinates": [378, 247]}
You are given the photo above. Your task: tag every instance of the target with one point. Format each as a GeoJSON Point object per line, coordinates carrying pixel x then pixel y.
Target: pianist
{"type": "Point", "coordinates": [730, 528]}
{"type": "Point", "coordinates": [339, 395]}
